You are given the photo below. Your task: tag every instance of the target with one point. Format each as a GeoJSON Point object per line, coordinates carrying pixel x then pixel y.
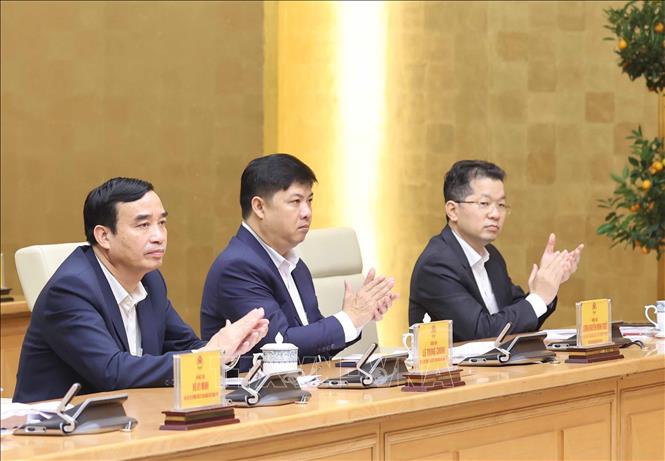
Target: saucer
{"type": "Point", "coordinates": [659, 335]}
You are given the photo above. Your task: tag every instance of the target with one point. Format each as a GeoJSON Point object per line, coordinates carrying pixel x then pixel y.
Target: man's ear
{"type": "Point", "coordinates": [258, 206]}
{"type": "Point", "coordinates": [451, 211]}
{"type": "Point", "coordinates": [102, 235]}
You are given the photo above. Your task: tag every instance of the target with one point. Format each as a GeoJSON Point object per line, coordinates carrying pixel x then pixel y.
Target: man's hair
{"type": "Point", "coordinates": [457, 183]}
{"type": "Point", "coordinates": [264, 176]}
{"type": "Point", "coordinates": [100, 204]}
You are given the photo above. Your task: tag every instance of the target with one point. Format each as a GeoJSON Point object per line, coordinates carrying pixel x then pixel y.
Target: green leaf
{"type": "Point", "coordinates": [603, 228]}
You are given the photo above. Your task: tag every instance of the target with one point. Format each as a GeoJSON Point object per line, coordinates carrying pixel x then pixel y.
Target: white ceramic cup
{"type": "Point", "coordinates": [277, 358]}
{"type": "Point", "coordinates": [659, 310]}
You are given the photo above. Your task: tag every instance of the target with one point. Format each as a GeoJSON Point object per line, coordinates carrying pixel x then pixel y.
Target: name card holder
{"type": "Point", "coordinates": [431, 358]}
{"type": "Point", "coordinates": [617, 338]}
{"type": "Point", "coordinates": [594, 333]}
{"type": "Point", "coordinates": [199, 402]}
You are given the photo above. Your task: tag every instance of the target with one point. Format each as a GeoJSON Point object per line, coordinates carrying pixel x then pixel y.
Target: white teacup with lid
{"type": "Point", "coordinates": [277, 357]}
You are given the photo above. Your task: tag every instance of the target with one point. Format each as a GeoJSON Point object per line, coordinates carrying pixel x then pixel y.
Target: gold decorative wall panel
{"type": "Point", "coordinates": [531, 86]}
{"type": "Point", "coordinates": [171, 92]}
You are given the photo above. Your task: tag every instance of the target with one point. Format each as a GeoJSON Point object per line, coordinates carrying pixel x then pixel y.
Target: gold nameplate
{"type": "Point", "coordinates": [197, 379]}
{"type": "Point", "coordinates": [431, 344]}
{"type": "Point", "coordinates": [594, 318]}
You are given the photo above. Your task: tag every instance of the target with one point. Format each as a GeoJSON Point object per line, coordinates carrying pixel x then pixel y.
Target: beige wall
{"type": "Point", "coordinates": [531, 86]}
{"type": "Point", "coordinates": [169, 92]}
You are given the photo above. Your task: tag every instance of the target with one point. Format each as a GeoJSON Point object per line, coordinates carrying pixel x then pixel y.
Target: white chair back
{"type": "Point", "coordinates": [333, 256]}
{"type": "Point", "coordinates": [37, 263]}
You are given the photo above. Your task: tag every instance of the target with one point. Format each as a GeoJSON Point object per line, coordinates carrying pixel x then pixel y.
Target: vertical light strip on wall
{"type": "Point", "coordinates": [361, 61]}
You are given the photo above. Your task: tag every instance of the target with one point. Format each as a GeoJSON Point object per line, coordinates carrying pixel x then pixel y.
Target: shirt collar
{"type": "Point", "coordinates": [119, 293]}
{"type": "Point", "coordinates": [291, 258]}
{"type": "Point", "coordinates": [471, 255]}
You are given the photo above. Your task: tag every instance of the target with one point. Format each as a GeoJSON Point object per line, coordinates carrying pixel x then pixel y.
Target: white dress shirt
{"type": "Point", "coordinates": [477, 263]}
{"type": "Point", "coordinates": [285, 266]}
{"type": "Point", "coordinates": [127, 304]}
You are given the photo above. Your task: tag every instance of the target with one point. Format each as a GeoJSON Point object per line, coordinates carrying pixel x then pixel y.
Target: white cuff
{"type": "Point", "coordinates": [539, 306]}
{"type": "Point", "coordinates": [350, 330]}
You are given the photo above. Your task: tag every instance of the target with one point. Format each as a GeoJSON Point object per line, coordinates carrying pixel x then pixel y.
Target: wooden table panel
{"type": "Point", "coordinates": [536, 429]}
{"type": "Point", "coordinates": [538, 446]}
{"type": "Point", "coordinates": [350, 442]}
{"type": "Point", "coordinates": [587, 441]}
{"type": "Point", "coordinates": [643, 423]}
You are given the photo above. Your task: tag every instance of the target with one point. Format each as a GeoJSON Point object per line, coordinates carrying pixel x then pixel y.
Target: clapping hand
{"type": "Point", "coordinates": [546, 279]}
{"type": "Point", "coordinates": [237, 338]}
{"type": "Point", "coordinates": [371, 301]}
{"type": "Point", "coordinates": [570, 263]}
{"type": "Point", "coordinates": [384, 303]}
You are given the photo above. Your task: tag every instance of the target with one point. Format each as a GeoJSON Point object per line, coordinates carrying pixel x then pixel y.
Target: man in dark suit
{"type": "Point", "coordinates": [260, 268]}
{"type": "Point", "coordinates": [461, 277]}
{"type": "Point", "coordinates": [103, 319]}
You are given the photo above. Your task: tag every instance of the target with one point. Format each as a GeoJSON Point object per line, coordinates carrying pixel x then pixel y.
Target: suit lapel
{"type": "Point", "coordinates": [246, 237]}
{"type": "Point", "coordinates": [451, 241]}
{"type": "Point", "coordinates": [110, 306]}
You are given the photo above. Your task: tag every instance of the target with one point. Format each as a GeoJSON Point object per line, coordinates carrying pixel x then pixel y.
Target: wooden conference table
{"type": "Point", "coordinates": [606, 410]}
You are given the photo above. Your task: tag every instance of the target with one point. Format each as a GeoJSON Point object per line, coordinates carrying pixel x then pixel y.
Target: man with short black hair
{"type": "Point", "coordinates": [260, 268]}
{"type": "Point", "coordinates": [103, 319]}
{"type": "Point", "coordinates": [461, 276]}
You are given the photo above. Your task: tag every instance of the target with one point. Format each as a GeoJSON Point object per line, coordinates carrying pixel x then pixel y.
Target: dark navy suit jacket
{"type": "Point", "coordinates": [244, 277]}
{"type": "Point", "coordinates": [76, 334]}
{"type": "Point", "coordinates": [442, 285]}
